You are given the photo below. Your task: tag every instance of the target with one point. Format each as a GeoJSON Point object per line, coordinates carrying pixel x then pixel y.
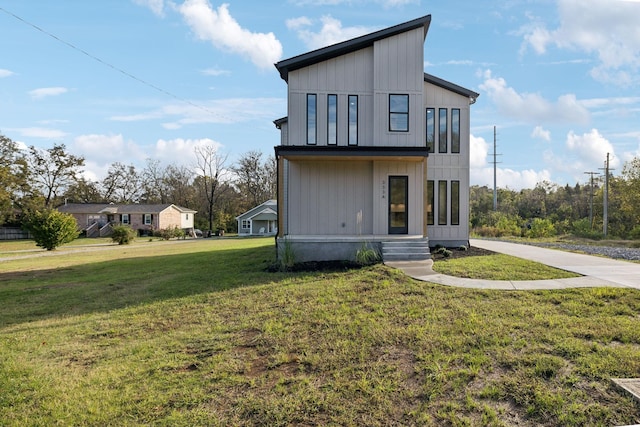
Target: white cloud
{"type": "Point", "coordinates": [47, 91]}
{"type": "Point", "coordinates": [230, 110]}
{"type": "Point", "coordinates": [332, 31]}
{"type": "Point", "coordinates": [215, 72]}
{"type": "Point", "coordinates": [156, 6]}
{"type": "Point", "coordinates": [181, 151]}
{"type": "Point", "coordinates": [103, 150]}
{"type": "Point", "coordinates": [224, 32]}
{"type": "Point", "coordinates": [509, 178]}
{"type": "Point", "coordinates": [591, 148]}
{"type": "Point", "coordinates": [607, 29]}
{"type": "Point", "coordinates": [5, 73]}
{"type": "Point", "coordinates": [37, 132]}
{"type": "Point", "coordinates": [478, 152]}
{"type": "Point", "coordinates": [541, 133]}
{"type": "Point", "coordinates": [532, 107]}
{"type": "Point", "coordinates": [384, 3]}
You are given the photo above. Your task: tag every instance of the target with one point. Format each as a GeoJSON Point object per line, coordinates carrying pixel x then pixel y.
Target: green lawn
{"type": "Point", "coordinates": [198, 333]}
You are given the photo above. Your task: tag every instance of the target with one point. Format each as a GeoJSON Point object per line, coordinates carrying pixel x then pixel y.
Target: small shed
{"type": "Point", "coordinates": [259, 221]}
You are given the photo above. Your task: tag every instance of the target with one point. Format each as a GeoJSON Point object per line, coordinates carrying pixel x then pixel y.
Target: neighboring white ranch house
{"type": "Point", "coordinates": [261, 220]}
{"type": "Point", "coordinates": [372, 150]}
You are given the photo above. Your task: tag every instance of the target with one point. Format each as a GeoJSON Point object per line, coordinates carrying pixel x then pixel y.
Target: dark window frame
{"type": "Point", "coordinates": [351, 140]}
{"type": "Point", "coordinates": [398, 113]}
{"type": "Point", "coordinates": [430, 202]}
{"type": "Point", "coordinates": [443, 134]}
{"type": "Point", "coordinates": [442, 203]}
{"type": "Point", "coordinates": [312, 119]}
{"type": "Point", "coordinates": [430, 132]}
{"type": "Point", "coordinates": [332, 115]}
{"type": "Point", "coordinates": [455, 203]}
{"type": "Point", "coordinates": [455, 130]}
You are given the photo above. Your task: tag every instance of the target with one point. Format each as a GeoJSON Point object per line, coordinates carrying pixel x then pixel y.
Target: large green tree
{"type": "Point", "coordinates": [52, 170]}
{"type": "Point", "coordinates": [13, 177]}
{"type": "Point", "coordinates": [51, 228]}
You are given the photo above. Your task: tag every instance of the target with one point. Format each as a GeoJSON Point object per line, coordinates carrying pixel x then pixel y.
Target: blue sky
{"type": "Point", "coordinates": [127, 80]}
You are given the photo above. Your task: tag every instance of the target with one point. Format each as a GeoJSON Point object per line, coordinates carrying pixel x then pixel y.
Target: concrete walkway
{"type": "Point", "coordinates": [596, 271]}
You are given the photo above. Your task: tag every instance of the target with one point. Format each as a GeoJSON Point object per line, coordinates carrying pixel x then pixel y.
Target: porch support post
{"type": "Point", "coordinates": [280, 196]}
{"type": "Point", "coordinates": [425, 198]}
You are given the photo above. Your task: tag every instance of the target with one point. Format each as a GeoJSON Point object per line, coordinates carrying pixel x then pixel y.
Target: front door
{"type": "Point", "coordinates": [398, 205]}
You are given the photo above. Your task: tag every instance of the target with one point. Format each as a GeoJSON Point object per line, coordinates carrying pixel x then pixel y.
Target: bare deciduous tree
{"type": "Point", "coordinates": [212, 173]}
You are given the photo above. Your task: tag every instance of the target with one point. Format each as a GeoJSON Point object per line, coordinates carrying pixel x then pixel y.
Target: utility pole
{"type": "Point", "coordinates": [495, 163]}
{"type": "Point", "coordinates": [605, 202]}
{"type": "Point", "coordinates": [591, 197]}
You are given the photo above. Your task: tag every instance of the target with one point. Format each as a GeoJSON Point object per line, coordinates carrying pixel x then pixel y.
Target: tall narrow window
{"type": "Point", "coordinates": [442, 135]}
{"type": "Point", "coordinates": [455, 202]}
{"type": "Point", "coordinates": [353, 120]}
{"type": "Point", "coordinates": [147, 219]}
{"type": "Point", "coordinates": [124, 218]}
{"type": "Point", "coordinates": [431, 130]}
{"type": "Point", "coordinates": [455, 130]}
{"type": "Point", "coordinates": [312, 118]}
{"type": "Point", "coordinates": [430, 203]}
{"type": "Point", "coordinates": [442, 202]}
{"type": "Point", "coordinates": [332, 119]}
{"type": "Point", "coordinates": [398, 113]}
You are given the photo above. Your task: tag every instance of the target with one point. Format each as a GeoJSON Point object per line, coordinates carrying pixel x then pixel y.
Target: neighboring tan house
{"type": "Point", "coordinates": [96, 219]}
{"type": "Point", "coordinates": [261, 220]}
{"type": "Point", "coordinates": [373, 151]}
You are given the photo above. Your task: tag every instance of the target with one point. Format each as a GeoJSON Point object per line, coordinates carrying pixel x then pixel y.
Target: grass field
{"type": "Point", "coordinates": [198, 333]}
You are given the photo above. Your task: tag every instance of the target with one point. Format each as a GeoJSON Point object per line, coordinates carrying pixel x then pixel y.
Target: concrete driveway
{"type": "Point", "coordinates": [595, 271]}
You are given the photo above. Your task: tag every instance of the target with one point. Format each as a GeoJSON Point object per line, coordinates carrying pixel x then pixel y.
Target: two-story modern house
{"type": "Point", "coordinates": [373, 150]}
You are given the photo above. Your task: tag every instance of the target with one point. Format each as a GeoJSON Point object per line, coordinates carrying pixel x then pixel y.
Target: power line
{"type": "Point", "coordinates": [107, 64]}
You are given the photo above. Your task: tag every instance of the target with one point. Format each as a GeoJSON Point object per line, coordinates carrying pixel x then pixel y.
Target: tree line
{"type": "Point", "coordinates": [550, 209]}
{"type": "Point", "coordinates": [37, 179]}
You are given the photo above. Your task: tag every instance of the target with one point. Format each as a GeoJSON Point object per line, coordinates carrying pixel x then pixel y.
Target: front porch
{"type": "Point", "coordinates": [343, 247]}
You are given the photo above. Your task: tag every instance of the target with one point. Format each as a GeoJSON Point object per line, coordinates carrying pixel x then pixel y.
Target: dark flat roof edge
{"type": "Point", "coordinates": [429, 78]}
{"type": "Point", "coordinates": [348, 46]}
{"type": "Point", "coordinates": [355, 151]}
{"type": "Point", "coordinates": [280, 121]}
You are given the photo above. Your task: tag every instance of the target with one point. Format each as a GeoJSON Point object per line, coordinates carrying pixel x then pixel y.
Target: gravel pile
{"type": "Point", "coordinates": [630, 254]}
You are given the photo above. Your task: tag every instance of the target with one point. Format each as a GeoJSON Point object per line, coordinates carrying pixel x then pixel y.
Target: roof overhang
{"type": "Point", "coordinates": [306, 152]}
{"type": "Point", "coordinates": [429, 78]}
{"type": "Point", "coordinates": [338, 49]}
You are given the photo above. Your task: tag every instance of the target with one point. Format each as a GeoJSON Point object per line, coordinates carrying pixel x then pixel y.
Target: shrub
{"type": "Point", "coordinates": [366, 255]}
{"type": "Point", "coordinates": [541, 227]}
{"type": "Point", "coordinates": [170, 232]}
{"type": "Point", "coordinates": [123, 234]}
{"type": "Point", "coordinates": [582, 228]}
{"type": "Point", "coordinates": [51, 228]}
{"type": "Point", "coordinates": [635, 233]}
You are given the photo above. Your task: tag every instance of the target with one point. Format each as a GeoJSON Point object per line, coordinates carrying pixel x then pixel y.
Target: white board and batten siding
{"type": "Point", "coordinates": [350, 74]}
{"type": "Point", "coordinates": [326, 196]}
{"type": "Point", "coordinates": [399, 70]}
{"type": "Point", "coordinates": [450, 166]}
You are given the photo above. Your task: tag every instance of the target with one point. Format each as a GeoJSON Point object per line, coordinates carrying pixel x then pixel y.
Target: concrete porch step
{"type": "Point", "coordinates": [405, 250]}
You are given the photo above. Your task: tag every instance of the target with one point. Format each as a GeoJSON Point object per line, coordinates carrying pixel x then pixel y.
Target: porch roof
{"type": "Point", "coordinates": [351, 152]}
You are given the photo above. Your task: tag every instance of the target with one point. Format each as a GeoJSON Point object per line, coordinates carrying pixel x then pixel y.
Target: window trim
{"type": "Point", "coordinates": [144, 219]}
{"type": "Point", "coordinates": [393, 113]}
{"type": "Point", "coordinates": [455, 131]}
{"type": "Point", "coordinates": [333, 116]}
{"type": "Point", "coordinates": [455, 203]}
{"type": "Point", "coordinates": [442, 203]}
{"type": "Point", "coordinates": [350, 120]}
{"type": "Point", "coordinates": [443, 143]}
{"type": "Point", "coordinates": [123, 220]}
{"type": "Point", "coordinates": [246, 223]}
{"type": "Point", "coordinates": [430, 202]}
{"type": "Point", "coordinates": [431, 149]}
{"type": "Point", "coordinates": [312, 119]}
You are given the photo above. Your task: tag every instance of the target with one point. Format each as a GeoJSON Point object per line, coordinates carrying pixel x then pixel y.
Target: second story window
{"type": "Point", "coordinates": [455, 130]}
{"type": "Point", "coordinates": [442, 135]}
{"type": "Point", "coordinates": [332, 119]}
{"type": "Point", "coordinates": [398, 113]}
{"type": "Point", "coordinates": [353, 120]}
{"type": "Point", "coordinates": [312, 118]}
{"type": "Point", "coordinates": [431, 130]}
